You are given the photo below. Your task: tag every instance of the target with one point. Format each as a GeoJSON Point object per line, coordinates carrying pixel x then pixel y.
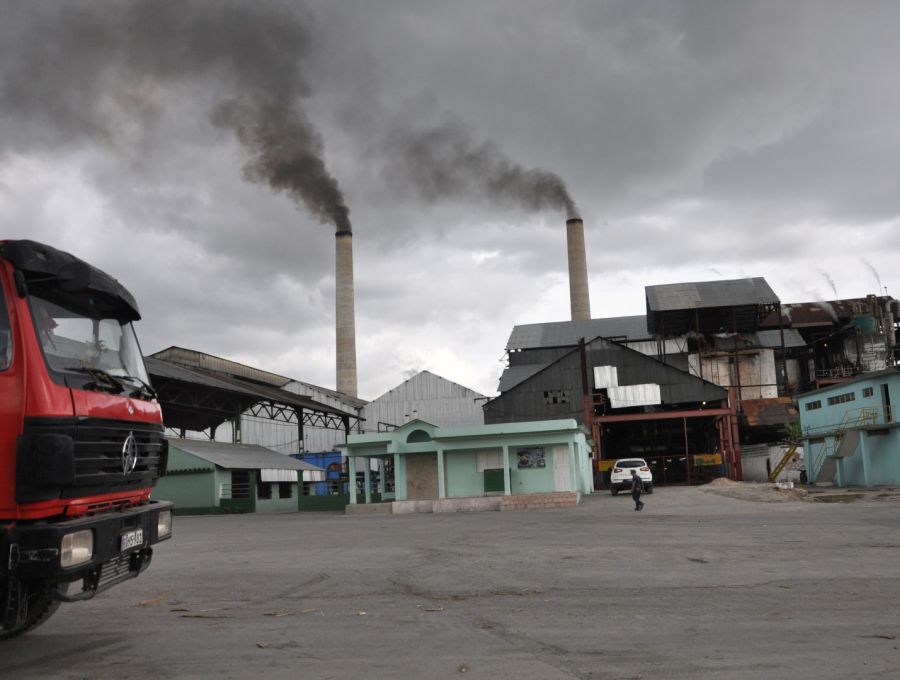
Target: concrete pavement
{"type": "Point", "coordinates": [695, 586]}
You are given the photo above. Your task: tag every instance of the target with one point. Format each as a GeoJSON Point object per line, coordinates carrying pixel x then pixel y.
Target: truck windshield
{"type": "Point", "coordinates": [87, 339]}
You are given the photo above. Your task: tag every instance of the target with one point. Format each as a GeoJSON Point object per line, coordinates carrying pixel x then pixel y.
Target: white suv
{"type": "Point", "coordinates": [620, 479]}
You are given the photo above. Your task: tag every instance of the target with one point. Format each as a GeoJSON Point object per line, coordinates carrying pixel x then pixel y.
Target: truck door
{"type": "Point", "coordinates": [10, 394]}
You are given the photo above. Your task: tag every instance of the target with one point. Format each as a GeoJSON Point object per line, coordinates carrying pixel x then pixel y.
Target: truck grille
{"type": "Point", "coordinates": [98, 459]}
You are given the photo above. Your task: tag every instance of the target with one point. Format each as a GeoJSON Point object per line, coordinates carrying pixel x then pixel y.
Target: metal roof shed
{"type": "Point", "coordinates": [709, 307]}
{"type": "Point", "coordinates": [209, 477]}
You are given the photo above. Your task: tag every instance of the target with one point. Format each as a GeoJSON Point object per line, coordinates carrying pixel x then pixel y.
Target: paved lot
{"type": "Point", "coordinates": [696, 586]}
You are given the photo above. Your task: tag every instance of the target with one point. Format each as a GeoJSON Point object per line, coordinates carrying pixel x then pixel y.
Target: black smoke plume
{"type": "Point", "coordinates": [445, 161]}
{"type": "Point", "coordinates": [286, 153]}
{"type": "Point", "coordinates": [86, 70]}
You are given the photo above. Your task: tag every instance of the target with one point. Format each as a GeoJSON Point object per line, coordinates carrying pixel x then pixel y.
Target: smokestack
{"type": "Point", "coordinates": [345, 324]}
{"type": "Point", "coordinates": [579, 296]}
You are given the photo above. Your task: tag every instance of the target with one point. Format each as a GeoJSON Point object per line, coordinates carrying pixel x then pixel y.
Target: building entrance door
{"type": "Point", "coordinates": [886, 402]}
{"type": "Point", "coordinates": [562, 474]}
{"type": "Point", "coordinates": [421, 476]}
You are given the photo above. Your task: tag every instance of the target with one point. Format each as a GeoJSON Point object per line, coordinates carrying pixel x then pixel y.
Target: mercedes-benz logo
{"type": "Point", "coordinates": [129, 454]}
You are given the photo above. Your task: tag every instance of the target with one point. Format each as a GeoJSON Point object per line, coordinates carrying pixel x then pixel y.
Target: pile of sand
{"type": "Point", "coordinates": [759, 492]}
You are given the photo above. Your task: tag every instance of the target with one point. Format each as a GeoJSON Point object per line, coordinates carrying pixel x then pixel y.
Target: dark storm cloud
{"type": "Point", "coordinates": [100, 67]}
{"type": "Point", "coordinates": [698, 136]}
{"type": "Point", "coordinates": [104, 68]}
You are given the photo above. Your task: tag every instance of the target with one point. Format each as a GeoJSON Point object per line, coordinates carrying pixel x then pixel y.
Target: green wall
{"type": "Point", "coordinates": [462, 476]}
{"type": "Point", "coordinates": [277, 504]}
{"type": "Point", "coordinates": [460, 447]}
{"type": "Point", "coordinates": [538, 480]}
{"type": "Point", "coordinates": [188, 490]}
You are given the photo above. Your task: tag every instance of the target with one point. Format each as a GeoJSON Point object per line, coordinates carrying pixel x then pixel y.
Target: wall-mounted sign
{"type": "Point", "coordinates": [531, 458]}
{"type": "Point", "coordinates": [704, 459]}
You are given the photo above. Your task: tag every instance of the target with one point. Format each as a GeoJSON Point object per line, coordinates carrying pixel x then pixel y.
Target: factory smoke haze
{"type": "Point", "coordinates": [140, 52]}
{"type": "Point", "coordinates": [205, 151]}
{"type": "Point", "coordinates": [446, 161]}
{"type": "Point", "coordinates": [101, 66]}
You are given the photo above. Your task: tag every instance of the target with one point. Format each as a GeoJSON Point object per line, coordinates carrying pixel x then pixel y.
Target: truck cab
{"type": "Point", "coordinates": [81, 436]}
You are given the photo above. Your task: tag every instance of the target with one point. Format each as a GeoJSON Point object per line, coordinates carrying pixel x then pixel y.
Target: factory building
{"type": "Point", "coordinates": [735, 335]}
{"type": "Point", "coordinates": [636, 405]}
{"type": "Point", "coordinates": [428, 397]}
{"type": "Point", "coordinates": [851, 431]}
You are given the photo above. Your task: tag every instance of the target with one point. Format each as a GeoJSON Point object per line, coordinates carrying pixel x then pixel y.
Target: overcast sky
{"type": "Point", "coordinates": [203, 153]}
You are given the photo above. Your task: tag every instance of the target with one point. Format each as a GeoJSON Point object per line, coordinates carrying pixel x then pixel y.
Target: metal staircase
{"type": "Point", "coordinates": [785, 459]}
{"type": "Point", "coordinates": [844, 443]}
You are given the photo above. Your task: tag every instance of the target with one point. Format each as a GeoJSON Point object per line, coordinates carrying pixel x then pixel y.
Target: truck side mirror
{"type": "Point", "coordinates": [21, 288]}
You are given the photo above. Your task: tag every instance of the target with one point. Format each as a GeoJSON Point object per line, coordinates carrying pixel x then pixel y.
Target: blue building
{"type": "Point", "coordinates": [850, 430]}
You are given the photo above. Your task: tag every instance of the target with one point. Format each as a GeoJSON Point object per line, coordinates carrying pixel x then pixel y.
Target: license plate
{"type": "Point", "coordinates": [132, 539]}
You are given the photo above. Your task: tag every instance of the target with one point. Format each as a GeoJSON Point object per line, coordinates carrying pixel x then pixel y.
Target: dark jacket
{"type": "Point", "coordinates": [637, 484]}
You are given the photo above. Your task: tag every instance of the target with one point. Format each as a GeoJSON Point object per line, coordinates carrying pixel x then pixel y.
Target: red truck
{"type": "Point", "coordinates": [81, 436]}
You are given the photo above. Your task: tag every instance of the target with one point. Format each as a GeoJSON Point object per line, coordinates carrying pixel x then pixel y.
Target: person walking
{"type": "Point", "coordinates": [637, 485]}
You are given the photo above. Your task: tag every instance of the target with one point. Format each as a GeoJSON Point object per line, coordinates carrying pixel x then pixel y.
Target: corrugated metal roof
{"type": "Point", "coordinates": [568, 333]}
{"type": "Point", "coordinates": [821, 313]}
{"type": "Point", "coordinates": [191, 358]}
{"type": "Point", "coordinates": [239, 456]}
{"type": "Point", "coordinates": [706, 294]}
{"type": "Point", "coordinates": [165, 369]}
{"type": "Point", "coordinates": [513, 375]}
{"type": "Point", "coordinates": [429, 397]}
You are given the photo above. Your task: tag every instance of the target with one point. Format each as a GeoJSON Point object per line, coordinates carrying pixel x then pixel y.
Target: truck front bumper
{"type": "Point", "coordinates": [33, 551]}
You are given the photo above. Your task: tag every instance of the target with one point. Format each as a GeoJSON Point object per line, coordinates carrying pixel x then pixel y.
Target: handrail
{"type": "Point", "coordinates": [853, 419]}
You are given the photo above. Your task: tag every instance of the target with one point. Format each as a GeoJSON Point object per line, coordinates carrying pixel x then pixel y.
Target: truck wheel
{"type": "Point", "coordinates": [649, 489]}
{"type": "Point", "coordinates": [40, 607]}
{"type": "Point", "coordinates": [614, 490]}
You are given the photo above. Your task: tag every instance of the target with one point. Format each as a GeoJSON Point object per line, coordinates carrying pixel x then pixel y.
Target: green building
{"type": "Point", "coordinates": [425, 468]}
{"type": "Point", "coordinates": [210, 477]}
{"type": "Point", "coordinates": [851, 432]}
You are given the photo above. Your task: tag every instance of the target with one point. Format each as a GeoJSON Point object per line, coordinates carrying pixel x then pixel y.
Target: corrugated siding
{"type": "Point", "coordinates": [556, 391]}
{"type": "Point", "coordinates": [428, 397]}
{"type": "Point", "coordinates": [567, 333]}
{"type": "Point", "coordinates": [704, 294]}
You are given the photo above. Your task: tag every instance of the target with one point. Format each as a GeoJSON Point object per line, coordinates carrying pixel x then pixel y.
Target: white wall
{"type": "Point", "coordinates": [428, 397]}
{"type": "Point", "coordinates": [753, 462]}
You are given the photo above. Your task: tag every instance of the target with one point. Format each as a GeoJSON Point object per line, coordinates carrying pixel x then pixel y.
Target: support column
{"type": "Point", "coordinates": [573, 473]}
{"type": "Point", "coordinates": [440, 470]}
{"type": "Point", "coordinates": [351, 478]}
{"type": "Point", "coordinates": [367, 481]}
{"type": "Point", "coordinates": [864, 452]}
{"type": "Point", "coordinates": [506, 480]}
{"type": "Point", "coordinates": [399, 480]}
{"type": "Point", "coordinates": [687, 453]}
{"type": "Point", "coordinates": [382, 482]}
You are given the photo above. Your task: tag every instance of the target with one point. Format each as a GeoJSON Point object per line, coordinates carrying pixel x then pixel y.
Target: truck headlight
{"type": "Point", "coordinates": [164, 524]}
{"type": "Point", "coordinates": [77, 548]}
